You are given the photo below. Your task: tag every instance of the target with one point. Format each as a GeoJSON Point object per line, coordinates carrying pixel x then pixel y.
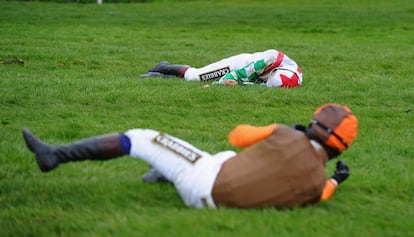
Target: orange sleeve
{"type": "Point", "coordinates": [329, 189]}
{"type": "Point", "coordinates": [244, 135]}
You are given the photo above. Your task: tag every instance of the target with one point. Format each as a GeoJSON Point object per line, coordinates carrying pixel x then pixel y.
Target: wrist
{"type": "Point", "coordinates": [230, 82]}
{"type": "Point", "coordinates": [334, 182]}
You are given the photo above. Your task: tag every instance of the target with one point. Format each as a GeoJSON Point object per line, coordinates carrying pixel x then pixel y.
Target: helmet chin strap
{"type": "Point", "coordinates": [290, 69]}
{"type": "Point", "coordinates": [332, 153]}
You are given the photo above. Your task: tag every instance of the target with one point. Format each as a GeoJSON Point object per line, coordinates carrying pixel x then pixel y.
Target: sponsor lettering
{"type": "Point", "coordinates": [177, 148]}
{"type": "Point", "coordinates": [214, 74]}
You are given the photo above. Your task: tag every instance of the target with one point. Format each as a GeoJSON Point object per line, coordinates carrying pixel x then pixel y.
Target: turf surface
{"type": "Point", "coordinates": [69, 71]}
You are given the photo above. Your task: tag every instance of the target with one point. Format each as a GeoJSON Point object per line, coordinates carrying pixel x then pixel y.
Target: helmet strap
{"type": "Point", "coordinates": [330, 131]}
{"type": "Point", "coordinates": [332, 153]}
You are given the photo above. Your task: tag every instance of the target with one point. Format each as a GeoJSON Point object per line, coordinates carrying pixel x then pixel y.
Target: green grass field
{"type": "Point", "coordinates": [69, 71]}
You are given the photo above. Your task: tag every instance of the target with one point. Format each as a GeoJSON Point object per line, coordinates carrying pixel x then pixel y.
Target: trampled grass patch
{"type": "Point", "coordinates": [69, 71]}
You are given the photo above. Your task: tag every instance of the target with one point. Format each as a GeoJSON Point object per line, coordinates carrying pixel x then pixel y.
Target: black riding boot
{"type": "Point", "coordinates": [170, 69]}
{"type": "Point", "coordinates": [95, 148]}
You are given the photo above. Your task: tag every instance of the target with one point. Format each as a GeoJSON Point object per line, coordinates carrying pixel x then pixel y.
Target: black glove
{"type": "Point", "coordinates": [341, 172]}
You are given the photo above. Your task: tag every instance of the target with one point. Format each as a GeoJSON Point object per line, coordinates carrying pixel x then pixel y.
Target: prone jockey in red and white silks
{"type": "Point", "coordinates": [271, 68]}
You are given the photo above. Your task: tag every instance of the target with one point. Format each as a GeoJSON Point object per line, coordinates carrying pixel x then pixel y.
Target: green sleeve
{"type": "Point", "coordinates": [249, 72]}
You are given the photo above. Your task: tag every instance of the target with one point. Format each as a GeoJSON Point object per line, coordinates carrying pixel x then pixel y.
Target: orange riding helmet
{"type": "Point", "coordinates": [335, 126]}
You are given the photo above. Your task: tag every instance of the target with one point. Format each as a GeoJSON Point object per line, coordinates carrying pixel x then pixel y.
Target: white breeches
{"type": "Point", "coordinates": [192, 170]}
{"type": "Point", "coordinates": [220, 68]}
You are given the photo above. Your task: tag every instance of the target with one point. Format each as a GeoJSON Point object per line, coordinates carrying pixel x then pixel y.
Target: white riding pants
{"type": "Point", "coordinates": [190, 169]}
